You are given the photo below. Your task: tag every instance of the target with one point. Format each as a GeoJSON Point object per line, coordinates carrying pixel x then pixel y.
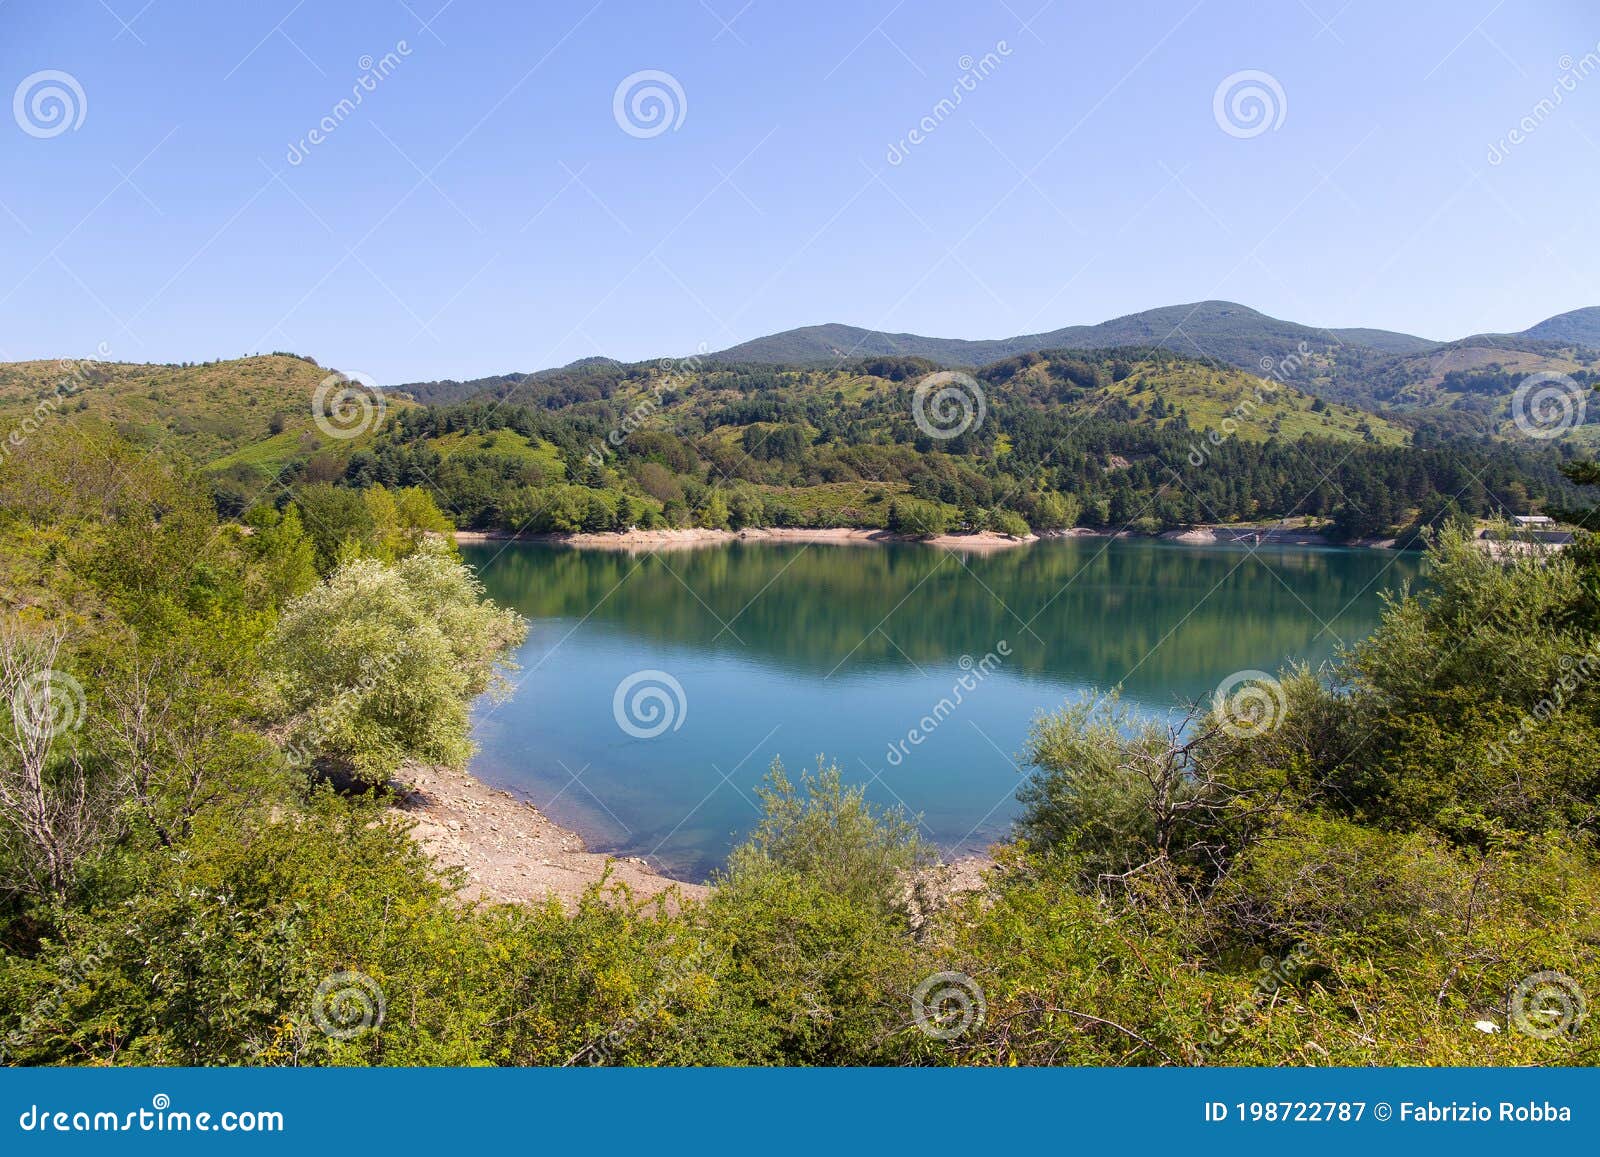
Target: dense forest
{"type": "Point", "coordinates": [1393, 862]}
{"type": "Point", "coordinates": [1135, 439]}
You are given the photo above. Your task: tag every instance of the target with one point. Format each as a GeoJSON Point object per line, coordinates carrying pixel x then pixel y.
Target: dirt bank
{"type": "Point", "coordinates": [510, 851]}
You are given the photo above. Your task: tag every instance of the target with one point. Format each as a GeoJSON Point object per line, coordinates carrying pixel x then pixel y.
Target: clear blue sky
{"type": "Point", "coordinates": [482, 211]}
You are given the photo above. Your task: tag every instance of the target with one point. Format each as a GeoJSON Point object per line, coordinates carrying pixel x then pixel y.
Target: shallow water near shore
{"type": "Point", "coordinates": [656, 689]}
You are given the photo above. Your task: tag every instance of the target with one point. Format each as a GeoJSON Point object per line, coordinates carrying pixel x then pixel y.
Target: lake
{"type": "Point", "coordinates": [656, 689]}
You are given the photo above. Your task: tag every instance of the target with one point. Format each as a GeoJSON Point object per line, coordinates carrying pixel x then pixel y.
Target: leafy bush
{"type": "Point", "coordinates": [1008, 522]}
{"type": "Point", "coordinates": [381, 663]}
{"type": "Point", "coordinates": [919, 519]}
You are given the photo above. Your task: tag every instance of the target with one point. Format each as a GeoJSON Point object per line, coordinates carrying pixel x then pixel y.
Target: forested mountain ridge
{"type": "Point", "coordinates": [1132, 438]}
{"type": "Point", "coordinates": [1443, 388]}
{"type": "Point", "coordinates": [1140, 438]}
{"type": "Point", "coordinates": [1578, 327]}
{"type": "Point", "coordinates": [1224, 330]}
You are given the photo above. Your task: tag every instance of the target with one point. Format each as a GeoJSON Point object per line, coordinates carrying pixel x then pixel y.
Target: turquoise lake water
{"type": "Point", "coordinates": [655, 690]}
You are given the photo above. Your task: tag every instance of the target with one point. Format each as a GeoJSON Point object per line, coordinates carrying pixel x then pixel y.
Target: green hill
{"type": "Point", "coordinates": [1579, 327]}
{"type": "Point", "coordinates": [249, 418]}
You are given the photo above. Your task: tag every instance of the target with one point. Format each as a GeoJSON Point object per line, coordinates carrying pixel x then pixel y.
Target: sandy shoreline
{"type": "Point", "coordinates": [510, 851]}
{"type": "Point", "coordinates": [698, 536]}
{"type": "Point", "coordinates": [688, 539]}
{"type": "Point", "coordinates": [513, 854]}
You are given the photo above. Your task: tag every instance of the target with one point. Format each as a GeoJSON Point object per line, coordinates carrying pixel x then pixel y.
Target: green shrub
{"type": "Point", "coordinates": [381, 663]}
{"type": "Point", "coordinates": [919, 519]}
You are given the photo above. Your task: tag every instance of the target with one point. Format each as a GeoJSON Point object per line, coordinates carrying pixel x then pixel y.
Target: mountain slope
{"type": "Point", "coordinates": [1578, 327]}
{"type": "Point", "coordinates": [1223, 330]}
{"type": "Point", "coordinates": [1138, 386]}
{"type": "Point", "coordinates": [1447, 389]}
